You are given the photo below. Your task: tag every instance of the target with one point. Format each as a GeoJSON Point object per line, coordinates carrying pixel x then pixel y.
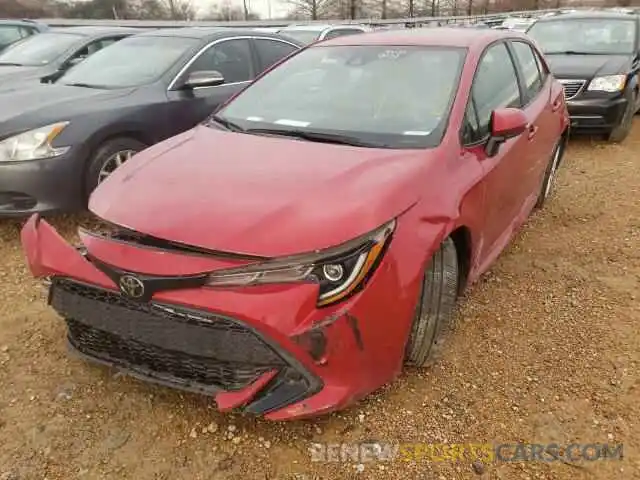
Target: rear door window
{"type": "Point", "coordinates": [272, 51]}
{"type": "Point", "coordinates": [529, 67]}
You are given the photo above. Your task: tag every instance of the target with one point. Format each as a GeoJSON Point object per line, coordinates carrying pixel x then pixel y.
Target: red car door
{"type": "Point", "coordinates": [543, 130]}
{"type": "Point", "coordinates": [495, 86]}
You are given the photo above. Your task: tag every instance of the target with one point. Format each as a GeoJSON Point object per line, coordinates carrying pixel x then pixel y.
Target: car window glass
{"type": "Point", "coordinates": [9, 34]}
{"type": "Point", "coordinates": [304, 36]}
{"type": "Point", "coordinates": [541, 67]}
{"type": "Point", "coordinates": [395, 96]}
{"type": "Point", "coordinates": [588, 35]}
{"type": "Point", "coordinates": [26, 32]}
{"type": "Point", "coordinates": [92, 48]}
{"type": "Point", "coordinates": [131, 62]}
{"type": "Point", "coordinates": [339, 32]}
{"type": "Point", "coordinates": [272, 51]}
{"type": "Point", "coordinates": [529, 67]}
{"type": "Point", "coordinates": [232, 58]}
{"type": "Point", "coordinates": [470, 128]}
{"type": "Point", "coordinates": [495, 85]}
{"type": "Point", "coordinates": [40, 49]}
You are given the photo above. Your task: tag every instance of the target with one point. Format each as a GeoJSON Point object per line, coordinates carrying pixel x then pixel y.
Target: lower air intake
{"type": "Point", "coordinates": [189, 349]}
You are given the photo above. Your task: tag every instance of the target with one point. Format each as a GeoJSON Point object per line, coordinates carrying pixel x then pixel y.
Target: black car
{"type": "Point", "coordinates": [47, 56]}
{"type": "Point", "coordinates": [58, 141]}
{"type": "Point", "coordinates": [12, 31]}
{"type": "Point", "coordinates": [596, 56]}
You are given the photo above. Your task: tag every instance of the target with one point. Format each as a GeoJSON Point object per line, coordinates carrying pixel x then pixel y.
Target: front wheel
{"type": "Point", "coordinates": [108, 157]}
{"type": "Point", "coordinates": [435, 306]}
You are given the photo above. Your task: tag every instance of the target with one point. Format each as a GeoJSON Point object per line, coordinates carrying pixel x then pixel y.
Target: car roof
{"type": "Point", "coordinates": [436, 36]}
{"type": "Point", "coordinates": [310, 28]}
{"type": "Point", "coordinates": [204, 33]}
{"type": "Point", "coordinates": [319, 27]}
{"type": "Point", "coordinates": [94, 31]}
{"type": "Point", "coordinates": [602, 14]}
{"type": "Point", "coordinates": [25, 22]}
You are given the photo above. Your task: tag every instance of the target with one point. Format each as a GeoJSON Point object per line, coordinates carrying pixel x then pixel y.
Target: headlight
{"type": "Point", "coordinates": [339, 271]}
{"type": "Point", "coordinates": [32, 145]}
{"type": "Point", "coordinates": [610, 83]}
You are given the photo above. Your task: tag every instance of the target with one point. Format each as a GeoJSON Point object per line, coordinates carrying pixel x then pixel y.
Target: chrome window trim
{"type": "Point", "coordinates": [216, 42]}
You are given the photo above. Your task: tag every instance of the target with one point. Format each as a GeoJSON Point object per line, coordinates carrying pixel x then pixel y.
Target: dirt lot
{"type": "Point", "coordinates": [546, 349]}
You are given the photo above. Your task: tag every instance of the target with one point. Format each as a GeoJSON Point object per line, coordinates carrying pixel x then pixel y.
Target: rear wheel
{"type": "Point", "coordinates": [550, 173]}
{"type": "Point", "coordinates": [435, 306]}
{"type": "Point", "coordinates": [108, 157]}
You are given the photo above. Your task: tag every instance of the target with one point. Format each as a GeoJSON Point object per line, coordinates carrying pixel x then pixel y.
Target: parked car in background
{"type": "Point", "coordinates": [314, 33]}
{"type": "Point", "coordinates": [12, 31]}
{"type": "Point", "coordinates": [596, 56]}
{"type": "Point", "coordinates": [267, 29]}
{"type": "Point", "coordinates": [45, 57]}
{"type": "Point", "coordinates": [290, 254]}
{"type": "Point", "coordinates": [59, 141]}
{"type": "Point", "coordinates": [517, 24]}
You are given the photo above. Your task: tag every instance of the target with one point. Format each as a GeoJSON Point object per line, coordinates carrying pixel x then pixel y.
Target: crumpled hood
{"type": "Point", "coordinates": [587, 66]}
{"type": "Point", "coordinates": [259, 195]}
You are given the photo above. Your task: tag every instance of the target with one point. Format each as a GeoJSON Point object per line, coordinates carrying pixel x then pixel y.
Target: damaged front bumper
{"type": "Point", "coordinates": [267, 350]}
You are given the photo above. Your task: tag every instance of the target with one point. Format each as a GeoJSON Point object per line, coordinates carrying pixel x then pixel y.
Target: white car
{"type": "Point", "coordinates": [517, 24]}
{"type": "Point", "coordinates": [314, 33]}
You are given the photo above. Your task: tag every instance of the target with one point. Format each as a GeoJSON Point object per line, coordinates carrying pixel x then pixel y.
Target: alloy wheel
{"type": "Point", "coordinates": [552, 173]}
{"type": "Point", "coordinates": [113, 162]}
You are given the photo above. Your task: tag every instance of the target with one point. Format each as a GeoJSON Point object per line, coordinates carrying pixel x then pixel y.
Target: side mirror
{"type": "Point", "coordinates": [205, 78]}
{"type": "Point", "coordinates": [505, 123]}
{"type": "Point", "coordinates": [73, 62]}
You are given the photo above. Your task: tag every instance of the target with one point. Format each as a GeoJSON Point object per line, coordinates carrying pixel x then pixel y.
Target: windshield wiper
{"type": "Point", "coordinates": [228, 124]}
{"type": "Point", "coordinates": [11, 64]}
{"type": "Point", "coordinates": [85, 85]}
{"type": "Point", "coordinates": [318, 137]}
{"type": "Point", "coordinates": [572, 52]}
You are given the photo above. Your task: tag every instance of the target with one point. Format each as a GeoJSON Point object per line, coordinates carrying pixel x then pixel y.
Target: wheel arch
{"type": "Point", "coordinates": [103, 137]}
{"type": "Point", "coordinates": [461, 237]}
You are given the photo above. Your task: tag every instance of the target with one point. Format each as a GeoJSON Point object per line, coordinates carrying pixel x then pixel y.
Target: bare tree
{"type": "Point", "coordinates": [313, 9]}
{"type": "Point", "coordinates": [226, 11]}
{"type": "Point", "coordinates": [180, 9]}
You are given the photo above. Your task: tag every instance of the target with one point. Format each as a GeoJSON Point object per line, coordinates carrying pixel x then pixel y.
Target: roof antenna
{"type": "Point", "coordinates": [115, 12]}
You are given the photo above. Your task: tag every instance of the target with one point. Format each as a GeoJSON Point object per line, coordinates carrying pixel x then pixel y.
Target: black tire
{"type": "Point", "coordinates": [106, 151]}
{"type": "Point", "coordinates": [550, 173]}
{"type": "Point", "coordinates": [435, 307]}
{"type": "Point", "coordinates": [621, 131]}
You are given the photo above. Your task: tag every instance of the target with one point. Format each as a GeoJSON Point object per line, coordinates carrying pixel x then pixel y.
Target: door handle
{"type": "Point", "coordinates": [533, 129]}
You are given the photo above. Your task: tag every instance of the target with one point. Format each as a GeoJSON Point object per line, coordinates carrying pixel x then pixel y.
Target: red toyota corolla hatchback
{"type": "Point", "coordinates": [291, 254]}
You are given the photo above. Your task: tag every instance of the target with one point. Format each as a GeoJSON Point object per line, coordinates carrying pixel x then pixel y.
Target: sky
{"type": "Point", "coordinates": [261, 7]}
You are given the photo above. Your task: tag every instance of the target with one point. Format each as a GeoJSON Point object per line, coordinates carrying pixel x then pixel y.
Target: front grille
{"type": "Point", "coordinates": [186, 348]}
{"type": "Point", "coordinates": [572, 87]}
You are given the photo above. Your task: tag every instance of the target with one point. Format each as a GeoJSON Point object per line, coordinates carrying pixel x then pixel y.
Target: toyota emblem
{"type": "Point", "coordinates": [131, 286]}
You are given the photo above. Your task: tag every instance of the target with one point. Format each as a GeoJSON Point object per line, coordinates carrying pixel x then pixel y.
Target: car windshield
{"type": "Point", "coordinates": [585, 35]}
{"type": "Point", "coordinates": [131, 62]}
{"type": "Point", "coordinates": [395, 97]}
{"type": "Point", "coordinates": [304, 36]}
{"type": "Point", "coordinates": [39, 49]}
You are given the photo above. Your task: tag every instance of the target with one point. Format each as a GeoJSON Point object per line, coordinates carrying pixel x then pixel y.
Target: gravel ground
{"type": "Point", "coordinates": [546, 348]}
